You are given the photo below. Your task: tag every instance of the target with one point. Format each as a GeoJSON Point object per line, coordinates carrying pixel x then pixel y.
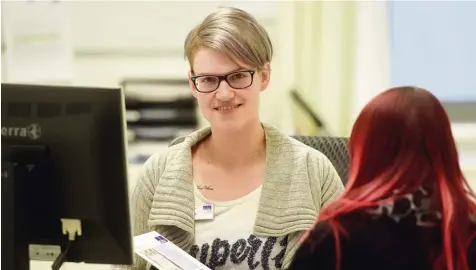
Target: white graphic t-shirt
{"type": "Point", "coordinates": [227, 240]}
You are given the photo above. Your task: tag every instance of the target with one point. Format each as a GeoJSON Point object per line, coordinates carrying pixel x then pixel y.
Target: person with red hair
{"type": "Point", "coordinates": [407, 204]}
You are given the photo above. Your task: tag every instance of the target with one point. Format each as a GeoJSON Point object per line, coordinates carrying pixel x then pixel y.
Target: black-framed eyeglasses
{"type": "Point", "coordinates": [236, 79]}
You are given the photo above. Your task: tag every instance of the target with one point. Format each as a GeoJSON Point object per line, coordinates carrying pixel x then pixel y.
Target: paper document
{"type": "Point", "coordinates": [163, 254]}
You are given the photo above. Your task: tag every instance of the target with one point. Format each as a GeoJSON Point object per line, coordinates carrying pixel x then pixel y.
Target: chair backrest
{"type": "Point", "coordinates": [335, 148]}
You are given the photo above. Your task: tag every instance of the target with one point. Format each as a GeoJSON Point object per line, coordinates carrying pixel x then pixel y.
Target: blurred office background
{"type": "Point", "coordinates": [331, 58]}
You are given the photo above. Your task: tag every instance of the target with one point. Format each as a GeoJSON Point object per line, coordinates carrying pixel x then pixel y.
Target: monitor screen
{"type": "Point", "coordinates": [64, 180]}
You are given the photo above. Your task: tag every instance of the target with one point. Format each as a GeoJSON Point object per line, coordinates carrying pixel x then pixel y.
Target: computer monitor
{"type": "Point", "coordinates": [64, 176]}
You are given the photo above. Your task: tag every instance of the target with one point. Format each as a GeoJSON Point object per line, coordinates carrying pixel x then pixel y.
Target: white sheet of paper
{"type": "Point", "coordinates": [163, 254]}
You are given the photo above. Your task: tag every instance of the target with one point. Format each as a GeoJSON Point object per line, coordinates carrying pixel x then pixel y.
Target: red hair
{"type": "Point", "coordinates": [402, 140]}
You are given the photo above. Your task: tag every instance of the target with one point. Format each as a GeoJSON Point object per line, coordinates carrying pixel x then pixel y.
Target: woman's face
{"type": "Point", "coordinates": [227, 93]}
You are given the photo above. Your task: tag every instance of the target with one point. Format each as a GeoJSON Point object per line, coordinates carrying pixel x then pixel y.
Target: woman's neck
{"type": "Point", "coordinates": [232, 149]}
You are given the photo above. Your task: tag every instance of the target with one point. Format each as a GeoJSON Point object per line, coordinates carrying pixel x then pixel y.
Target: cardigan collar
{"type": "Point", "coordinates": [173, 203]}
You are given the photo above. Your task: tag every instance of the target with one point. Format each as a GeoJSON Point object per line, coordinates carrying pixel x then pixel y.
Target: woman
{"type": "Point", "coordinates": [407, 204]}
{"type": "Point", "coordinates": [239, 194]}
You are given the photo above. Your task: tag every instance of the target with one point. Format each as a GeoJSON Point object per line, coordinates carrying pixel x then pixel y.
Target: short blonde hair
{"type": "Point", "coordinates": [233, 31]}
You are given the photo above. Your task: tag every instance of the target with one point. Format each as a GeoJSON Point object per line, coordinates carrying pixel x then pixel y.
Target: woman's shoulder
{"type": "Point", "coordinates": [179, 149]}
{"type": "Point", "coordinates": [350, 223]}
{"type": "Point", "coordinates": [356, 225]}
{"type": "Point", "coordinates": [174, 157]}
{"type": "Point", "coordinates": [318, 248]}
{"type": "Point", "coordinates": [355, 229]}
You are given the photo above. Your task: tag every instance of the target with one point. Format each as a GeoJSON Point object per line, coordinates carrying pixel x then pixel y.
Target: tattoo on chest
{"type": "Point", "coordinates": [204, 187]}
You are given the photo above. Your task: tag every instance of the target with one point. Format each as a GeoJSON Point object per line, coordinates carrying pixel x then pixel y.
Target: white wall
{"type": "Point", "coordinates": [372, 66]}
{"type": "Point", "coordinates": [379, 65]}
{"type": "Point", "coordinates": [437, 53]}
{"type": "Point", "coordinates": [137, 38]}
{"type": "Point", "coordinates": [465, 135]}
{"type": "Point", "coordinates": [112, 40]}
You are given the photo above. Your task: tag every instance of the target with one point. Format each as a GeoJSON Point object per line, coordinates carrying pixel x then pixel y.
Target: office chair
{"type": "Point", "coordinates": [335, 148]}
